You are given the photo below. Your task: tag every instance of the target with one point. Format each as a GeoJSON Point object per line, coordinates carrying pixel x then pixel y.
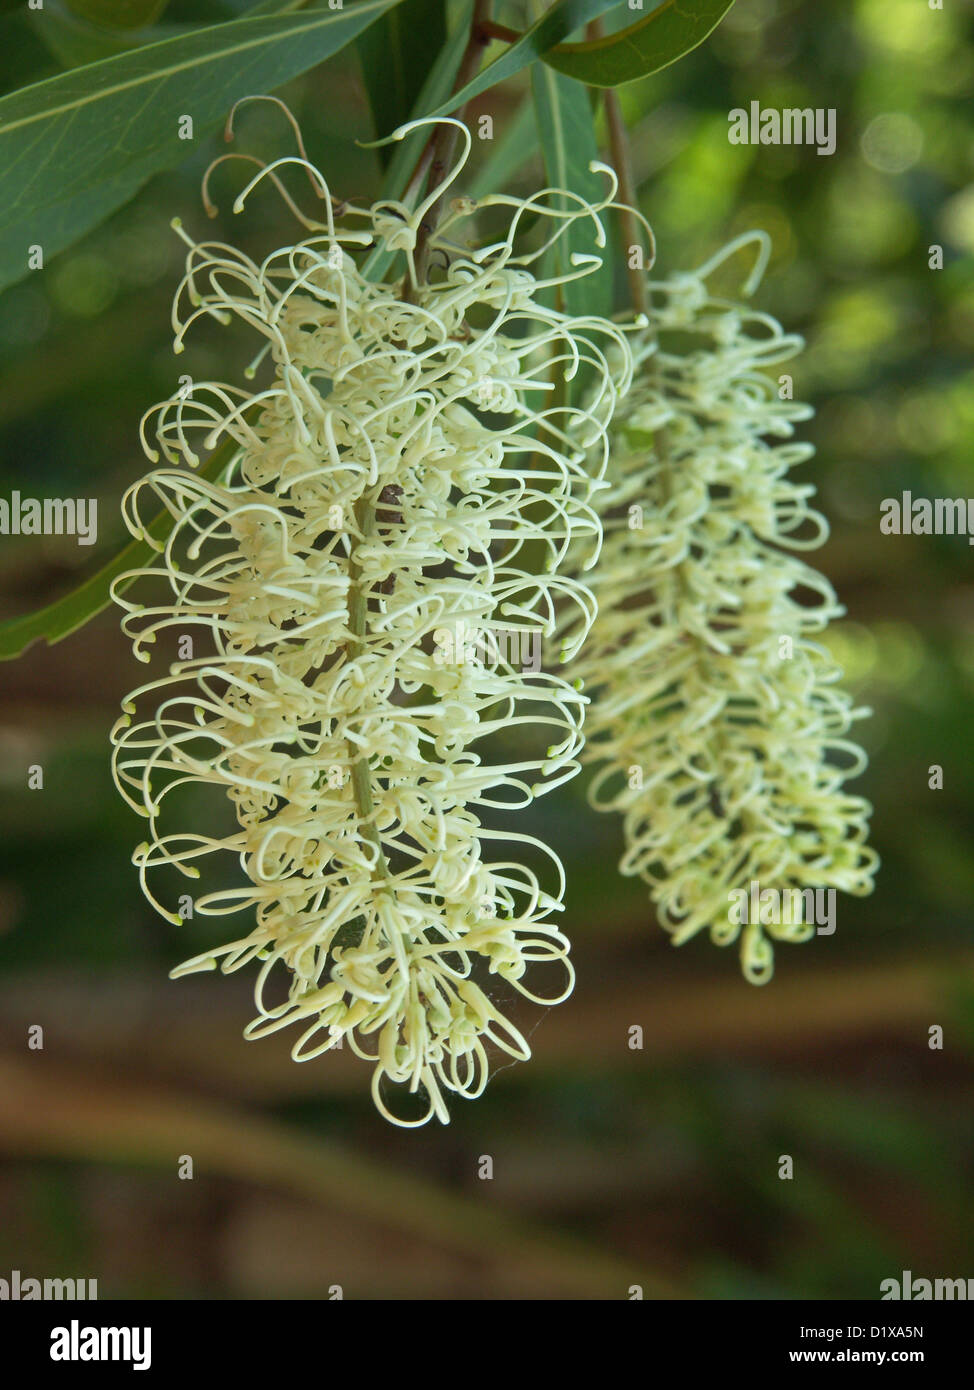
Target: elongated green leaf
{"type": "Point", "coordinates": [436, 87]}
{"type": "Point", "coordinates": [59, 619]}
{"type": "Point", "coordinates": [395, 56]}
{"type": "Point", "coordinates": [406, 152]}
{"type": "Point", "coordinates": [508, 156]}
{"type": "Point", "coordinates": [566, 133]}
{"type": "Point", "coordinates": [74, 40]}
{"type": "Point", "coordinates": [564, 17]}
{"type": "Point", "coordinates": [74, 148]}
{"type": "Point", "coordinates": [672, 30]}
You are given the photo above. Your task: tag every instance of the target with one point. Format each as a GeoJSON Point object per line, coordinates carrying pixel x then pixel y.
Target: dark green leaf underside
{"type": "Point", "coordinates": [566, 134]}
{"type": "Point", "coordinates": [395, 56]}
{"type": "Point", "coordinates": [672, 30]}
{"type": "Point", "coordinates": [562, 19]}
{"type": "Point", "coordinates": [59, 619]}
{"type": "Point", "coordinates": [77, 146]}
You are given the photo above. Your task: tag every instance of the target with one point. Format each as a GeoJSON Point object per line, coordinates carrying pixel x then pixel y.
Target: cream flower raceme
{"type": "Point", "coordinates": [401, 473]}
{"type": "Point", "coordinates": [716, 722]}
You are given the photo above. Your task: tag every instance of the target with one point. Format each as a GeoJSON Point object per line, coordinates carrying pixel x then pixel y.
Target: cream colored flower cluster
{"type": "Point", "coordinates": [403, 469]}
{"type": "Point", "coordinates": [716, 721]}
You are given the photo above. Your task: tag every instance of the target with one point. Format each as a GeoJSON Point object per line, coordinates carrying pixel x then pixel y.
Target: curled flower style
{"type": "Point", "coordinates": [379, 493]}
{"type": "Point", "coordinates": [715, 720]}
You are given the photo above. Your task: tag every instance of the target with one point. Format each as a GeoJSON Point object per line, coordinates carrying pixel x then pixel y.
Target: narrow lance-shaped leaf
{"type": "Point", "coordinates": [395, 57]}
{"type": "Point", "coordinates": [74, 40]}
{"type": "Point", "coordinates": [564, 17]}
{"type": "Point", "coordinates": [673, 29]}
{"type": "Point", "coordinates": [508, 155]}
{"type": "Point", "coordinates": [566, 133]}
{"type": "Point", "coordinates": [77, 146]}
{"type": "Point", "coordinates": [406, 152]}
{"type": "Point", "coordinates": [65, 615]}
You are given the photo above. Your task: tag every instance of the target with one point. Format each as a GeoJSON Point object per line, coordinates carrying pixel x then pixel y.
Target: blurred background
{"type": "Point", "coordinates": [612, 1167]}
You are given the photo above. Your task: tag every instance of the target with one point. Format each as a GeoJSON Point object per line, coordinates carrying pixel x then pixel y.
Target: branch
{"type": "Point", "coordinates": [622, 161]}
{"type": "Point", "coordinates": [444, 141]}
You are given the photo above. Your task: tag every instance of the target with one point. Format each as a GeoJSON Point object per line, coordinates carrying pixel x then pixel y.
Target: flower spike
{"type": "Point", "coordinates": [716, 726]}
{"type": "Point", "coordinates": [319, 600]}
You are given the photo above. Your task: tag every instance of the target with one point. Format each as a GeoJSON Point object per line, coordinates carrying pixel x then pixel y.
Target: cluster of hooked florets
{"type": "Point", "coordinates": [379, 492]}
{"type": "Point", "coordinates": [715, 718]}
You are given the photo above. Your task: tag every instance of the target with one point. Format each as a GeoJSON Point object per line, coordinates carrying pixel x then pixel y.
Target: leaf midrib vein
{"type": "Point", "coordinates": [198, 60]}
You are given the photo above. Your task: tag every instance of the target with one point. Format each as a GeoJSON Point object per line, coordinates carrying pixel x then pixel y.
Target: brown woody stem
{"type": "Point", "coordinates": [444, 140]}
{"type": "Point", "coordinates": [622, 162]}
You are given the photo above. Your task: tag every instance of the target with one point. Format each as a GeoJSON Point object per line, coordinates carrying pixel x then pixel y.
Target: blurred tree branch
{"type": "Point", "coordinates": [167, 1031]}
{"type": "Point", "coordinates": [50, 1111]}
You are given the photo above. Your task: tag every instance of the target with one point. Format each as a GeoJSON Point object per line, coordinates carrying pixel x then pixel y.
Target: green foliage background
{"type": "Point", "coordinates": [612, 1166]}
